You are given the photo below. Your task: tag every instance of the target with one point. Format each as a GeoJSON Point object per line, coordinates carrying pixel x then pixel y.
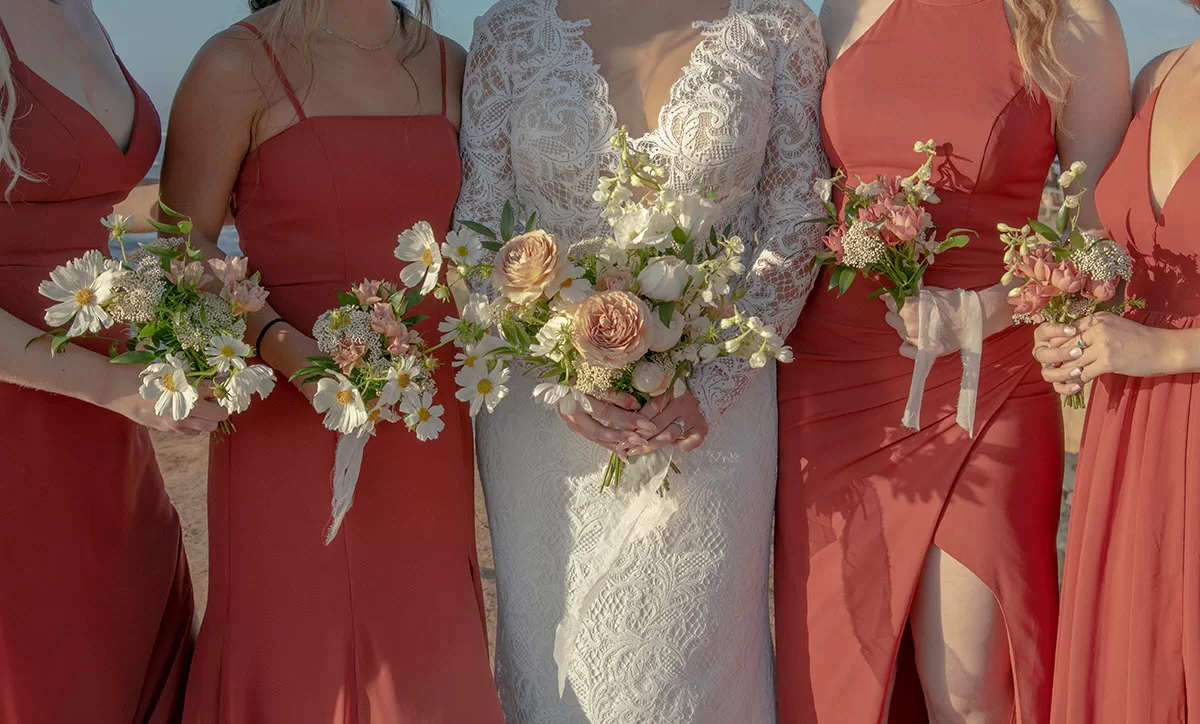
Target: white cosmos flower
{"type": "Point", "coordinates": [419, 246]}
{"type": "Point", "coordinates": [227, 353]}
{"type": "Point", "coordinates": [550, 393]}
{"type": "Point", "coordinates": [117, 224]}
{"type": "Point", "coordinates": [478, 352]}
{"type": "Point", "coordinates": [463, 248]}
{"type": "Point", "coordinates": [80, 287]}
{"type": "Point", "coordinates": [168, 382]}
{"type": "Point", "coordinates": [376, 416]}
{"type": "Point", "coordinates": [343, 406]}
{"type": "Point", "coordinates": [254, 380]}
{"type": "Point", "coordinates": [573, 288]}
{"type": "Point", "coordinates": [401, 381]}
{"type": "Point", "coordinates": [422, 416]}
{"type": "Point", "coordinates": [479, 386]}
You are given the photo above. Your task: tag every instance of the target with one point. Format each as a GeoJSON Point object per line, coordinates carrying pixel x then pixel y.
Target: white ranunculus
{"type": "Point", "coordinates": [80, 287]}
{"type": "Point", "coordinates": [643, 228]}
{"type": "Point", "coordinates": [418, 245]}
{"type": "Point", "coordinates": [663, 337]}
{"type": "Point", "coordinates": [339, 399]}
{"type": "Point", "coordinates": [664, 279]}
{"type": "Point", "coordinates": [652, 379]}
{"type": "Point", "coordinates": [167, 381]}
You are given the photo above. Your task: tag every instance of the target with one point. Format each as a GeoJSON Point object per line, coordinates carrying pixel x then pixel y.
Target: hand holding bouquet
{"type": "Point", "coordinates": [376, 367]}
{"type": "Point", "coordinates": [885, 233]}
{"type": "Point", "coordinates": [636, 312]}
{"type": "Point", "coordinates": [1064, 274]}
{"type": "Point", "coordinates": [184, 325]}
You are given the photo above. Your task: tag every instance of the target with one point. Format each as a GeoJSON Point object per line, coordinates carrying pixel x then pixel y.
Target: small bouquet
{"type": "Point", "coordinates": [1064, 274]}
{"type": "Point", "coordinates": [376, 367]}
{"type": "Point", "coordinates": [636, 312]}
{"type": "Point", "coordinates": [886, 233]}
{"type": "Point", "coordinates": [183, 324]}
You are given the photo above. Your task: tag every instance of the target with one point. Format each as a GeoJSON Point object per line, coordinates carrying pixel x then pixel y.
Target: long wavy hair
{"type": "Point", "coordinates": [1036, 23]}
{"type": "Point", "coordinates": [10, 155]}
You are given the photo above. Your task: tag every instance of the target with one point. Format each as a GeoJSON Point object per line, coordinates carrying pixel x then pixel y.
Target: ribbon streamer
{"type": "Point", "coordinates": [934, 323]}
{"type": "Point", "coordinates": [346, 465]}
{"type": "Point", "coordinates": [646, 512]}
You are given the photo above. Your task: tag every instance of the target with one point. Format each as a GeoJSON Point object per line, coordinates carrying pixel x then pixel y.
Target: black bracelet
{"type": "Point", "coordinates": [263, 333]}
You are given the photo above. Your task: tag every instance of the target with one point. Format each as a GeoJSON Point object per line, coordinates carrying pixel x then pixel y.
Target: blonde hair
{"type": "Point", "coordinates": [1036, 22]}
{"type": "Point", "coordinates": [10, 156]}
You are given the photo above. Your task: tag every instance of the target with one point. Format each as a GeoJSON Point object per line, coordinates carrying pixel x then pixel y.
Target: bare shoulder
{"type": "Point", "coordinates": [1088, 26]}
{"type": "Point", "coordinates": [231, 59]}
{"type": "Point", "coordinates": [456, 59]}
{"type": "Point", "coordinates": [1153, 74]}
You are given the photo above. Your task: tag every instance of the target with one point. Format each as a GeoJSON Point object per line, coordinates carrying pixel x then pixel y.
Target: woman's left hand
{"type": "Point", "coordinates": [678, 420]}
{"type": "Point", "coordinates": [1116, 345]}
{"type": "Point", "coordinates": [907, 322]}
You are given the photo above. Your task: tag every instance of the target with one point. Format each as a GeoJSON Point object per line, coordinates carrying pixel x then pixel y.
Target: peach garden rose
{"type": "Point", "coordinates": [612, 329]}
{"type": "Point", "coordinates": [529, 265]}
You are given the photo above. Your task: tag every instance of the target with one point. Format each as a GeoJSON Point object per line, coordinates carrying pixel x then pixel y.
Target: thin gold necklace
{"type": "Point", "coordinates": [360, 46]}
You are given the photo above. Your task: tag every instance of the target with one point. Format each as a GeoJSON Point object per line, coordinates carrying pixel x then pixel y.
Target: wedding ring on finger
{"type": "Point", "coordinates": [679, 422]}
{"type": "Point", "coordinates": [1081, 343]}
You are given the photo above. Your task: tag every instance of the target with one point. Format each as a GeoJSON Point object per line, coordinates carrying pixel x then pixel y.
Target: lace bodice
{"type": "Point", "coordinates": [742, 118]}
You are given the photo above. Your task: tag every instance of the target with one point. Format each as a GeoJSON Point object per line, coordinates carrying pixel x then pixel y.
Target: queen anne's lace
{"type": "Point", "coordinates": [681, 635]}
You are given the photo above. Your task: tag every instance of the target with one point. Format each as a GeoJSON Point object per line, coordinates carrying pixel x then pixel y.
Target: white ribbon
{"type": "Point", "coordinates": [347, 462]}
{"type": "Point", "coordinates": [962, 327]}
{"type": "Point", "coordinates": [645, 512]}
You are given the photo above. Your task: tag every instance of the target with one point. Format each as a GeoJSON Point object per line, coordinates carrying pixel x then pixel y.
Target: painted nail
{"type": "Point", "coordinates": [638, 440]}
{"type": "Point", "coordinates": [1075, 388]}
{"type": "Point", "coordinates": [646, 426]}
{"type": "Point", "coordinates": [1069, 331]}
{"type": "Point", "coordinates": [1076, 372]}
{"type": "Point", "coordinates": [1076, 352]}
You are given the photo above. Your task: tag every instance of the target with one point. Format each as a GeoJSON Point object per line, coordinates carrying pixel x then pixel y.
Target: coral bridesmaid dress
{"type": "Point", "coordinates": [1129, 640]}
{"type": "Point", "coordinates": [386, 624]}
{"type": "Point", "coordinates": [95, 598]}
{"type": "Point", "coordinates": [860, 498]}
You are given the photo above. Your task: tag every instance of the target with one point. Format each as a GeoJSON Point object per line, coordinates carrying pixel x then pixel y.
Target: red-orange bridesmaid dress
{"type": "Point", "coordinates": [860, 498]}
{"type": "Point", "coordinates": [386, 624]}
{"type": "Point", "coordinates": [95, 598]}
{"type": "Point", "coordinates": [1129, 639]}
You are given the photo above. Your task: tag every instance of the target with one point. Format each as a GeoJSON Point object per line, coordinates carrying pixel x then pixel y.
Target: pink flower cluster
{"type": "Point", "coordinates": [399, 337]}
{"type": "Point", "coordinates": [1047, 279]}
{"type": "Point", "coordinates": [897, 222]}
{"type": "Point", "coordinates": [244, 295]}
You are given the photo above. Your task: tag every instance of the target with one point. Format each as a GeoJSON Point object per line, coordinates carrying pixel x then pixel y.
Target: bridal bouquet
{"type": "Point", "coordinates": [376, 367]}
{"type": "Point", "coordinates": [636, 312]}
{"type": "Point", "coordinates": [1065, 274]}
{"type": "Point", "coordinates": [885, 232]}
{"type": "Point", "coordinates": [184, 325]}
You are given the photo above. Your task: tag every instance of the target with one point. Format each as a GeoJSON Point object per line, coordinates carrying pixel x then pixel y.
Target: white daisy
{"type": "Point", "coordinates": [478, 352]}
{"type": "Point", "coordinates": [168, 382]}
{"type": "Point", "coordinates": [376, 416]}
{"type": "Point", "coordinates": [343, 406]}
{"type": "Point", "coordinates": [235, 394]}
{"type": "Point", "coordinates": [479, 386]}
{"type": "Point", "coordinates": [401, 381]}
{"type": "Point", "coordinates": [462, 247]}
{"type": "Point", "coordinates": [422, 416]}
{"type": "Point", "coordinates": [227, 353]}
{"type": "Point", "coordinates": [80, 287]}
{"type": "Point", "coordinates": [419, 246]}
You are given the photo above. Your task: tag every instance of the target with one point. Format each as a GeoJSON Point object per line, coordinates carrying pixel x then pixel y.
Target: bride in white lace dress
{"type": "Point", "coordinates": [680, 632]}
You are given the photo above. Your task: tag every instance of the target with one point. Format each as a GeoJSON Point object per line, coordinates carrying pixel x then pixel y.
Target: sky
{"type": "Point", "coordinates": [157, 38]}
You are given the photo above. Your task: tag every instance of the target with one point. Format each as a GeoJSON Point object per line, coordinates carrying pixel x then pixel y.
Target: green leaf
{"type": "Point", "coordinates": [1078, 242]}
{"type": "Point", "coordinates": [185, 226]}
{"type": "Point", "coordinates": [493, 246]}
{"type": "Point", "coordinates": [666, 311]}
{"type": "Point", "coordinates": [48, 335]}
{"type": "Point", "coordinates": [679, 235]}
{"type": "Point", "coordinates": [170, 229]}
{"type": "Point", "coordinates": [507, 221]}
{"type": "Point", "coordinates": [688, 252]}
{"type": "Point", "coordinates": [168, 210]}
{"type": "Point", "coordinates": [847, 278]}
{"type": "Point", "coordinates": [346, 298]}
{"type": "Point", "coordinates": [1044, 231]}
{"type": "Point", "coordinates": [413, 297]}
{"type": "Point", "coordinates": [162, 252]}
{"type": "Point", "coordinates": [728, 231]}
{"type": "Point", "coordinates": [137, 357]}
{"type": "Point", "coordinates": [878, 293]}
{"type": "Point", "coordinates": [531, 224]}
{"type": "Point", "coordinates": [414, 319]}
{"type": "Point", "coordinates": [59, 344]}
{"type": "Point", "coordinates": [712, 235]}
{"type": "Point", "coordinates": [480, 229]}
{"type": "Point", "coordinates": [1064, 217]}
{"type": "Point", "coordinates": [953, 242]}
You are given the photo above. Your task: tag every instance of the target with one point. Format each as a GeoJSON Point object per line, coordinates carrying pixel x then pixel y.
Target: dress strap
{"type": "Point", "coordinates": [442, 48]}
{"type": "Point", "coordinates": [287, 87]}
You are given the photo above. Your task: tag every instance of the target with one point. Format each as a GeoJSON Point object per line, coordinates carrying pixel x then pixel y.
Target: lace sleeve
{"type": "Point", "coordinates": [488, 180]}
{"type": "Point", "coordinates": [778, 279]}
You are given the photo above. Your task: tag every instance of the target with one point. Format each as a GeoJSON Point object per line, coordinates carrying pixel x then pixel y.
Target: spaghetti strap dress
{"type": "Point", "coordinates": [860, 498]}
{"type": "Point", "coordinates": [95, 596]}
{"type": "Point", "coordinates": [386, 623]}
{"type": "Point", "coordinates": [1129, 638]}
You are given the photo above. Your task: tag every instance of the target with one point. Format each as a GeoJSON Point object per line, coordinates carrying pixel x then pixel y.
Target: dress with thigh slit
{"type": "Point", "coordinates": [860, 498]}
{"type": "Point", "coordinates": [384, 625]}
{"type": "Point", "coordinates": [1129, 639]}
{"type": "Point", "coordinates": [95, 597]}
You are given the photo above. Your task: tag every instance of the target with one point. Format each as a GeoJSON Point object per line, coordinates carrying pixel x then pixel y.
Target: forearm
{"type": "Point", "coordinates": [1180, 351]}
{"type": "Point", "coordinates": [74, 372]}
{"type": "Point", "coordinates": [997, 312]}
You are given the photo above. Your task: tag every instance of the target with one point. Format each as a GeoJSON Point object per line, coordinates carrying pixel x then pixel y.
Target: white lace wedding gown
{"type": "Point", "coordinates": [680, 633]}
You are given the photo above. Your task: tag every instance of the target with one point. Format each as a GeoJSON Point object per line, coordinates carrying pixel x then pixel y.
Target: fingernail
{"type": "Point", "coordinates": [638, 440]}
{"type": "Point", "coordinates": [1074, 389]}
{"type": "Point", "coordinates": [1076, 352]}
{"type": "Point", "coordinates": [1069, 330]}
{"type": "Point", "coordinates": [646, 425]}
{"type": "Point", "coordinates": [1076, 372]}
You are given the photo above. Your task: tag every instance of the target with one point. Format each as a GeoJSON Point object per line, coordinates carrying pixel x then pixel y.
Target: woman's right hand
{"type": "Point", "coordinates": [1055, 345]}
{"type": "Point", "coordinates": [119, 393]}
{"type": "Point", "coordinates": [613, 422]}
